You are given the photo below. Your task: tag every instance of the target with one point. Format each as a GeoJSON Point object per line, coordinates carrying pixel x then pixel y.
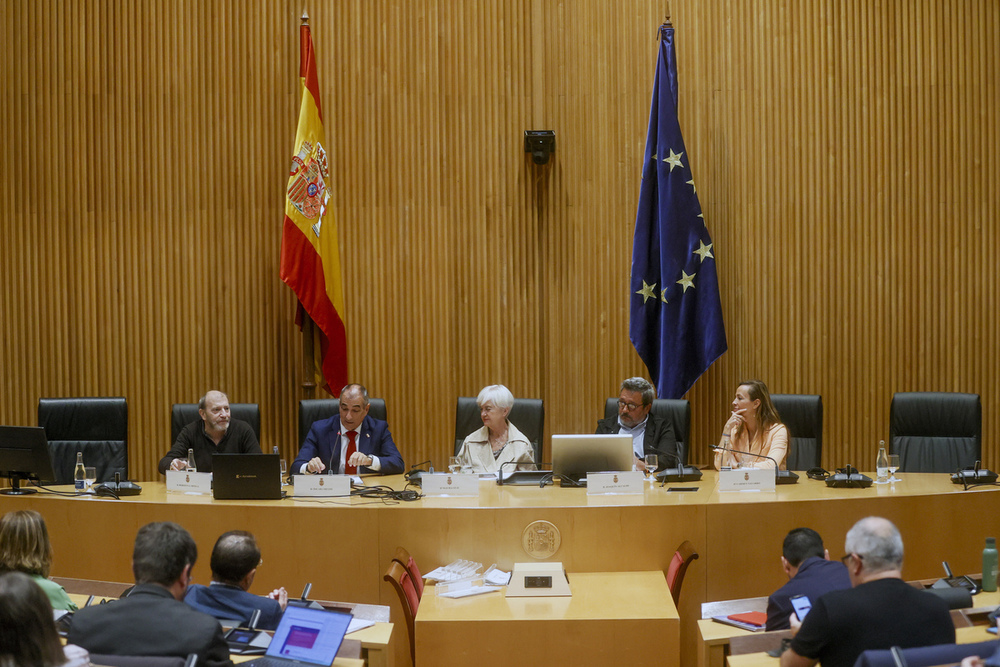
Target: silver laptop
{"type": "Point", "coordinates": [574, 456]}
{"type": "Point", "coordinates": [305, 637]}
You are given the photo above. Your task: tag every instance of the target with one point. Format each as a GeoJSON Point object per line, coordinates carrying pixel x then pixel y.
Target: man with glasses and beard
{"type": "Point", "coordinates": [650, 434]}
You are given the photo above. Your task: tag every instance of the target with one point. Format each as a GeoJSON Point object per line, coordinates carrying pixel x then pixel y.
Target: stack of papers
{"type": "Point", "coordinates": [459, 569]}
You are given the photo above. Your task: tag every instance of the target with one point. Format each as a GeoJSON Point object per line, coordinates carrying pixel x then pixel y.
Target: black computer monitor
{"type": "Point", "coordinates": [24, 454]}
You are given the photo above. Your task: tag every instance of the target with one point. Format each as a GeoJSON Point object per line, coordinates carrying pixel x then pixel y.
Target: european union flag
{"type": "Point", "coordinates": [675, 311]}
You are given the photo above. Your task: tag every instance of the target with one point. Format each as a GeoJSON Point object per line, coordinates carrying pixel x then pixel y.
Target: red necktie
{"type": "Point", "coordinates": [351, 448]}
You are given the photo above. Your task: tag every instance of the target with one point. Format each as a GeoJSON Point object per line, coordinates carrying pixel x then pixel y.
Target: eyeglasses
{"type": "Point", "coordinates": [628, 406]}
{"type": "Point", "coordinates": [843, 559]}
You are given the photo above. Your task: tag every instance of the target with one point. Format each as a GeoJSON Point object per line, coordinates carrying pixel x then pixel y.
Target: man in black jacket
{"type": "Point", "coordinates": [650, 434]}
{"type": "Point", "coordinates": [152, 620]}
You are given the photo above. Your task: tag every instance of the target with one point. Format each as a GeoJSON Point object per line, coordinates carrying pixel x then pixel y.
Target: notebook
{"type": "Point", "coordinates": [246, 476]}
{"type": "Point", "coordinates": [305, 636]}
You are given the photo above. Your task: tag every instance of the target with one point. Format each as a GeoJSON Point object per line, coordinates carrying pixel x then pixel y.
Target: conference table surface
{"type": "Point", "coordinates": [611, 618]}
{"type": "Point", "coordinates": [344, 545]}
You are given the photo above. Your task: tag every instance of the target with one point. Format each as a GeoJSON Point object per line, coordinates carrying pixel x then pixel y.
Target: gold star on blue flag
{"type": "Point", "coordinates": [681, 334]}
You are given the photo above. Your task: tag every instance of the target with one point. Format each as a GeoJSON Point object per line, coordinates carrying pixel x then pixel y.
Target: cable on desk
{"type": "Point", "coordinates": [386, 493]}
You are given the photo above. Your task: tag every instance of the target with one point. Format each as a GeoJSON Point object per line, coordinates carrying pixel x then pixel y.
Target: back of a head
{"type": "Point", "coordinates": [27, 631]}
{"type": "Point", "coordinates": [24, 543]}
{"type": "Point", "coordinates": [800, 544]}
{"type": "Point", "coordinates": [878, 542]}
{"type": "Point", "coordinates": [234, 556]}
{"type": "Point", "coordinates": [161, 552]}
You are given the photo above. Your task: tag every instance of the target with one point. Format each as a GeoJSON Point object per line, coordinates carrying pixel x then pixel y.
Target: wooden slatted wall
{"type": "Point", "coordinates": [845, 155]}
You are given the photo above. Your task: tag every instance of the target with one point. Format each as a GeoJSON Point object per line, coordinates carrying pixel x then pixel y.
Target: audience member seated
{"type": "Point", "coordinates": [498, 441]}
{"type": "Point", "coordinates": [754, 431]}
{"type": "Point", "coordinates": [152, 620]}
{"type": "Point", "coordinates": [28, 633]}
{"type": "Point", "coordinates": [215, 433]}
{"type": "Point", "coordinates": [349, 443]}
{"type": "Point", "coordinates": [810, 573]}
{"type": "Point", "coordinates": [234, 564]}
{"type": "Point", "coordinates": [879, 612]}
{"type": "Point", "coordinates": [650, 434]}
{"type": "Point", "coordinates": [25, 547]}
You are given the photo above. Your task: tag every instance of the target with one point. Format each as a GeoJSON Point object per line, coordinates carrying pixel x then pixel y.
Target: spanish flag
{"type": "Point", "coordinates": [310, 255]}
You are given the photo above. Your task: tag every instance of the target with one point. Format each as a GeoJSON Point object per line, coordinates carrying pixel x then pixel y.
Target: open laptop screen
{"type": "Point", "coordinates": [309, 635]}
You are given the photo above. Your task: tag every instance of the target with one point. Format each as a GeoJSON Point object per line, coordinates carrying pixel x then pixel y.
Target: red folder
{"type": "Point", "coordinates": [758, 618]}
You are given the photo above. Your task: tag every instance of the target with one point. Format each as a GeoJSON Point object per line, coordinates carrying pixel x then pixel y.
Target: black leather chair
{"type": "Point", "coordinates": [312, 410]}
{"type": "Point", "coordinates": [676, 411]}
{"type": "Point", "coordinates": [528, 415]}
{"type": "Point", "coordinates": [142, 660]}
{"type": "Point", "coordinates": [935, 431]}
{"type": "Point", "coordinates": [802, 415]}
{"type": "Point", "coordinates": [97, 427]}
{"type": "Point", "coordinates": [183, 414]}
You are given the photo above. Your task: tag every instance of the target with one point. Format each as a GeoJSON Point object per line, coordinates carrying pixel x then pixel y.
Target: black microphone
{"type": "Point", "coordinates": [514, 463]}
{"type": "Point", "coordinates": [780, 476]}
{"type": "Point", "coordinates": [681, 473]}
{"type": "Point", "coordinates": [254, 619]}
{"type": "Point", "coordinates": [414, 475]}
{"type": "Point", "coordinates": [329, 468]}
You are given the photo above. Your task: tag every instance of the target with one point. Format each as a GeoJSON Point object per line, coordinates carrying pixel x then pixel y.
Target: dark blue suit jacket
{"type": "Point", "coordinates": [235, 604]}
{"type": "Point", "coordinates": [324, 441]}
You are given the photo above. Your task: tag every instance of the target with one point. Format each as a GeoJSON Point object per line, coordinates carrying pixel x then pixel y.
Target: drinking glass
{"type": "Point", "coordinates": [454, 464]}
{"type": "Point", "coordinates": [893, 467]}
{"type": "Point", "coordinates": [284, 471]}
{"type": "Point", "coordinates": [651, 462]}
{"type": "Point", "coordinates": [89, 477]}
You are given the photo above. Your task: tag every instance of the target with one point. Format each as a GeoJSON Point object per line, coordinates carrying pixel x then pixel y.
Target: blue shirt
{"type": "Point", "coordinates": [815, 577]}
{"type": "Point", "coordinates": [638, 436]}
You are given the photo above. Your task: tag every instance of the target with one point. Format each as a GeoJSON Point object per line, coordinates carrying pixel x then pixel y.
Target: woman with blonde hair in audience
{"type": "Point", "coordinates": [28, 636]}
{"type": "Point", "coordinates": [498, 441]}
{"type": "Point", "coordinates": [753, 431]}
{"type": "Point", "coordinates": [25, 547]}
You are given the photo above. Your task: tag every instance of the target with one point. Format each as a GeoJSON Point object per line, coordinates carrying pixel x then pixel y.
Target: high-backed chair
{"type": "Point", "coordinates": [183, 414]}
{"type": "Point", "coordinates": [400, 579]}
{"type": "Point", "coordinates": [675, 411]}
{"type": "Point", "coordinates": [678, 568]}
{"type": "Point", "coordinates": [925, 656]}
{"type": "Point", "coordinates": [528, 415]}
{"type": "Point", "coordinates": [96, 427]}
{"type": "Point", "coordinates": [935, 431]}
{"type": "Point", "coordinates": [142, 660]}
{"type": "Point", "coordinates": [802, 415]}
{"type": "Point", "coordinates": [403, 557]}
{"type": "Point", "coordinates": [312, 410]}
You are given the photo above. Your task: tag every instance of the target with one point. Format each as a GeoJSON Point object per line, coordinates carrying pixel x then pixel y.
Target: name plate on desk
{"type": "Point", "coordinates": [747, 479]}
{"type": "Point", "coordinates": [322, 485]}
{"type": "Point", "coordinates": [446, 484]}
{"type": "Point", "coordinates": [182, 481]}
{"type": "Point", "coordinates": [599, 483]}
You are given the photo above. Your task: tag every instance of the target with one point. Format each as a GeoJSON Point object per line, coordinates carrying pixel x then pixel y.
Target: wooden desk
{"type": "Point", "coordinates": [970, 635]}
{"type": "Point", "coordinates": [343, 546]}
{"type": "Point", "coordinates": [608, 620]}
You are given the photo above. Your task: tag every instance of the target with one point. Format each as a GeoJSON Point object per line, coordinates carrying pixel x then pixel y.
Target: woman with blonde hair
{"type": "Point", "coordinates": [25, 547]}
{"type": "Point", "coordinates": [754, 431]}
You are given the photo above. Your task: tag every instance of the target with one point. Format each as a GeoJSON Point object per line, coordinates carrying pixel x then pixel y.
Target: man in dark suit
{"type": "Point", "coordinates": [650, 434]}
{"type": "Point", "coordinates": [235, 558]}
{"type": "Point", "coordinates": [152, 620]}
{"type": "Point", "coordinates": [351, 442]}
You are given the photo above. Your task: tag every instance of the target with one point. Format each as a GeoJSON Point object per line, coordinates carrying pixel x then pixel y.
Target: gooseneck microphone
{"type": "Point", "coordinates": [781, 476]}
{"type": "Point", "coordinates": [681, 473]}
